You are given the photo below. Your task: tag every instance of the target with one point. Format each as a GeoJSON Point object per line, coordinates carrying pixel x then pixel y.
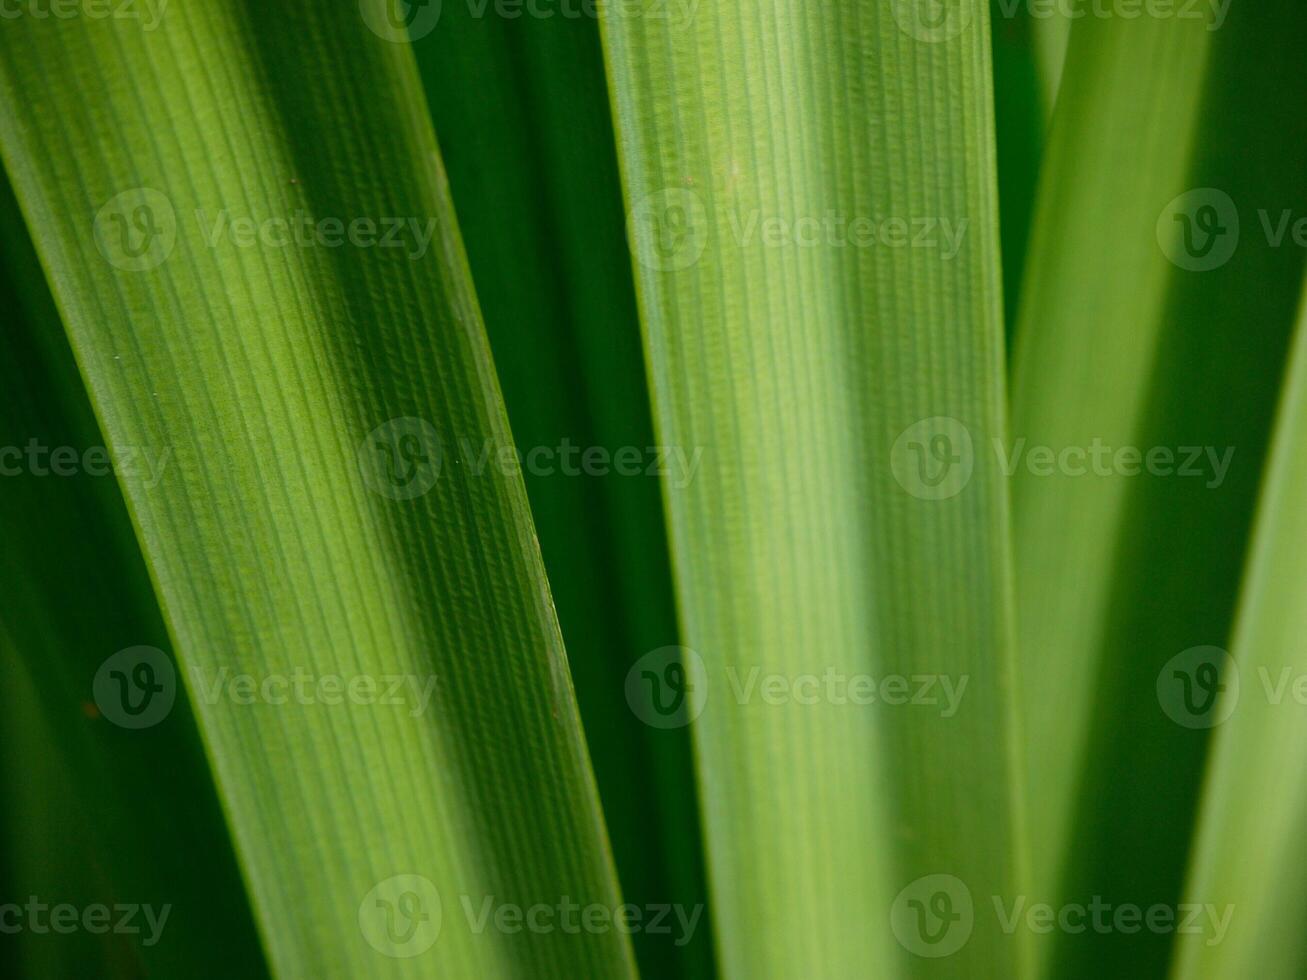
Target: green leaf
{"type": "Point", "coordinates": [1248, 849]}
{"type": "Point", "coordinates": [796, 367]}
{"type": "Point", "coordinates": [280, 370]}
{"type": "Point", "coordinates": [521, 106]}
{"type": "Point", "coordinates": [1088, 331]}
{"type": "Point", "coordinates": [76, 592]}
{"type": "Point", "coordinates": [1051, 31]}
{"type": "Point", "coordinates": [1133, 339]}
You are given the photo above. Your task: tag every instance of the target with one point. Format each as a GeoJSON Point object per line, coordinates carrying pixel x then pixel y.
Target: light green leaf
{"type": "Point", "coordinates": [1247, 860]}
{"type": "Point", "coordinates": [1052, 34]}
{"type": "Point", "coordinates": [809, 554]}
{"type": "Point", "coordinates": [280, 370]}
{"type": "Point", "coordinates": [1141, 410]}
{"type": "Point", "coordinates": [1089, 331]}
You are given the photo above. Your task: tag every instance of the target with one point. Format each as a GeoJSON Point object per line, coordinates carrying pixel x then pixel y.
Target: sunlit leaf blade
{"type": "Point", "coordinates": [1089, 337]}
{"type": "Point", "coordinates": [281, 540]}
{"type": "Point", "coordinates": [76, 592]}
{"type": "Point", "coordinates": [1136, 338]}
{"type": "Point", "coordinates": [1051, 32]}
{"type": "Point", "coordinates": [521, 107]}
{"type": "Point", "coordinates": [796, 366]}
{"type": "Point", "coordinates": [1248, 850]}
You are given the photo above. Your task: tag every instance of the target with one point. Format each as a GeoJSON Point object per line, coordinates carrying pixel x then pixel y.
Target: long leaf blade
{"type": "Point", "coordinates": [795, 366]}
{"type": "Point", "coordinates": [281, 372]}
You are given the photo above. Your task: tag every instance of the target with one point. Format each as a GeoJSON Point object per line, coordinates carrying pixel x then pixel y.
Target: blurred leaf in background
{"type": "Point", "coordinates": [1133, 337]}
